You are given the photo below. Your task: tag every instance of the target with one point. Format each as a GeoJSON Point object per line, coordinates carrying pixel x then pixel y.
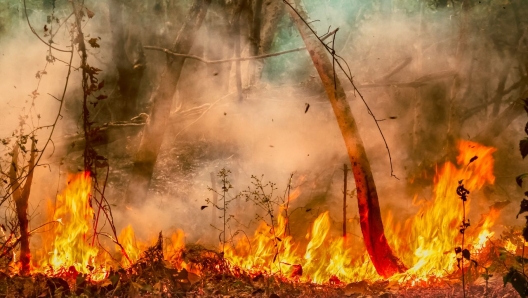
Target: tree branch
{"type": "Point", "coordinates": [194, 57]}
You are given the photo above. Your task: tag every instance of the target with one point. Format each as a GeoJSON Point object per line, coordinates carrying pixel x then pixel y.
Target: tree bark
{"type": "Point", "coordinates": [128, 56]}
{"type": "Point", "coordinates": [385, 262]}
{"type": "Point", "coordinates": [150, 144]}
{"type": "Point", "coordinates": [272, 12]}
{"type": "Point", "coordinates": [21, 198]}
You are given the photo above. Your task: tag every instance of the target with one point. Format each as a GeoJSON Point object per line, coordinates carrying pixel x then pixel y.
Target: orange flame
{"type": "Point", "coordinates": [427, 241]}
{"type": "Point", "coordinates": [424, 242]}
{"type": "Point", "coordinates": [73, 214]}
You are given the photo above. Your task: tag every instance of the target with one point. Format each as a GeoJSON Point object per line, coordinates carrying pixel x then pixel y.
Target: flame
{"type": "Point", "coordinates": [427, 241]}
{"type": "Point", "coordinates": [127, 239]}
{"type": "Point", "coordinates": [69, 245]}
{"type": "Point", "coordinates": [325, 259]}
{"type": "Point", "coordinates": [424, 242]}
{"type": "Point", "coordinates": [73, 215]}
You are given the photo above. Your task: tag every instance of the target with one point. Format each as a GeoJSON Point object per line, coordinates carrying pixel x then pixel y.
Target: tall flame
{"type": "Point", "coordinates": [424, 242]}
{"type": "Point", "coordinates": [427, 241]}
{"type": "Point", "coordinates": [73, 214]}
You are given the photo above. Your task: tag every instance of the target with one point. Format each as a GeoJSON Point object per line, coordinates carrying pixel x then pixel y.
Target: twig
{"type": "Point", "coordinates": [53, 126]}
{"type": "Point", "coordinates": [36, 34]}
{"type": "Point", "coordinates": [169, 52]}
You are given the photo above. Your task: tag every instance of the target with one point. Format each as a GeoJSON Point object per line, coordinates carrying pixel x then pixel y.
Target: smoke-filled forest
{"type": "Point", "coordinates": [263, 148]}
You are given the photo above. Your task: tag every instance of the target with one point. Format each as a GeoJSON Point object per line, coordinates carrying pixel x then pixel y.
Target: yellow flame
{"type": "Point", "coordinates": [73, 214]}
{"type": "Point", "coordinates": [426, 242]}
{"type": "Point", "coordinates": [128, 240]}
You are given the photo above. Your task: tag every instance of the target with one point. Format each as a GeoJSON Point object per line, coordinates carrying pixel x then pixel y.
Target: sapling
{"type": "Point", "coordinates": [222, 204]}
{"type": "Point", "coordinates": [462, 192]}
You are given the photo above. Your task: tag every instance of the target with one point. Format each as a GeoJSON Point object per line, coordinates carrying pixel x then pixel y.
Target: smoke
{"type": "Point", "coordinates": [284, 124]}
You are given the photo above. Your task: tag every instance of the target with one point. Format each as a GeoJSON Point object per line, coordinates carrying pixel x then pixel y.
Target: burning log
{"type": "Point", "coordinates": [385, 262]}
{"type": "Point", "coordinates": [21, 197]}
{"type": "Point", "coordinates": [161, 104]}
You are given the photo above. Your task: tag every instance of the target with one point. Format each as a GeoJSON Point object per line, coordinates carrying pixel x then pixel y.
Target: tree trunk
{"type": "Point", "coordinates": [255, 24]}
{"type": "Point", "coordinates": [21, 198]}
{"type": "Point", "coordinates": [128, 56]}
{"type": "Point", "coordinates": [273, 11]}
{"type": "Point", "coordinates": [385, 262]}
{"type": "Point", "coordinates": [150, 144]}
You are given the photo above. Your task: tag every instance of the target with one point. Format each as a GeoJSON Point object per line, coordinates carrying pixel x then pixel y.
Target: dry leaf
{"type": "Point", "coordinates": [89, 13]}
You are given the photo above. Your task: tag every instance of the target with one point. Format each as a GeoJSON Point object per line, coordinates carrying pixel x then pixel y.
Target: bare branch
{"type": "Point", "coordinates": [169, 52]}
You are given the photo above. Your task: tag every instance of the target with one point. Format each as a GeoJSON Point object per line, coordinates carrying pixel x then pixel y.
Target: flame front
{"type": "Point", "coordinates": [424, 242]}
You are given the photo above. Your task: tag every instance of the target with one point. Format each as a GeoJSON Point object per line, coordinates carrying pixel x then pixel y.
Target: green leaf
{"type": "Point", "coordinates": [523, 147]}
{"type": "Point", "coordinates": [517, 280]}
{"type": "Point", "coordinates": [519, 179]}
{"type": "Point", "coordinates": [524, 207]}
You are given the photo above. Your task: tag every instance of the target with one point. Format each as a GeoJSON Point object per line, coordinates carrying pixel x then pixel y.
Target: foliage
{"type": "Point", "coordinates": [517, 278]}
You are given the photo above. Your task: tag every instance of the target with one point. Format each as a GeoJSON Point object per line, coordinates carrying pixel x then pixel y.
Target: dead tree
{"type": "Point", "coordinates": [21, 197]}
{"type": "Point", "coordinates": [383, 259]}
{"type": "Point", "coordinates": [150, 144]}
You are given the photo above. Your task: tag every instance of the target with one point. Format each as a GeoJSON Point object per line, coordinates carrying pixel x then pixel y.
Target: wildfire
{"type": "Point", "coordinates": [425, 242]}
{"type": "Point", "coordinates": [73, 215]}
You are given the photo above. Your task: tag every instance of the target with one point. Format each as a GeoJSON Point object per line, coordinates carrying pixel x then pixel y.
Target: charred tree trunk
{"type": "Point", "coordinates": [153, 132]}
{"type": "Point", "coordinates": [21, 198]}
{"type": "Point", "coordinates": [385, 262]}
{"type": "Point", "coordinates": [128, 55]}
